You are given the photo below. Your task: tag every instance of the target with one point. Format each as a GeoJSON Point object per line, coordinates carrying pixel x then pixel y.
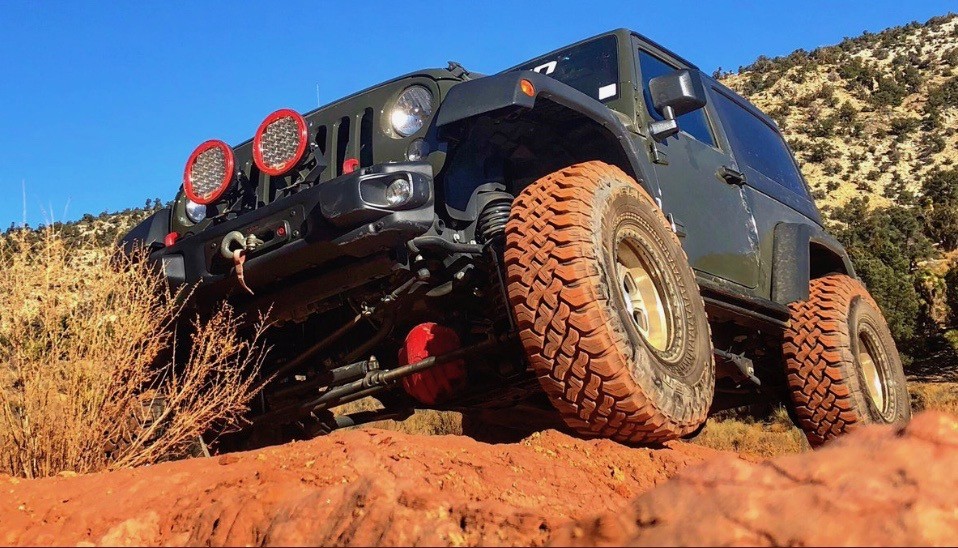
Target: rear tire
{"type": "Point", "coordinates": [842, 367]}
{"type": "Point", "coordinates": [608, 309]}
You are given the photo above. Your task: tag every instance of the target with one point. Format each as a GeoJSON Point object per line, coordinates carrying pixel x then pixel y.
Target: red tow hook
{"type": "Point", "coordinates": [440, 382]}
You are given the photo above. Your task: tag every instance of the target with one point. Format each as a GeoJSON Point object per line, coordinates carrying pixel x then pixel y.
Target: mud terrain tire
{"type": "Point", "coordinates": [571, 242]}
{"type": "Point", "coordinates": [842, 367]}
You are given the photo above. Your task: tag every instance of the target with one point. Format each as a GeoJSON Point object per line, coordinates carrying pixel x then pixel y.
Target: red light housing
{"type": "Point", "coordinates": [171, 239]}
{"type": "Point", "coordinates": [350, 165]}
{"type": "Point", "coordinates": [280, 142]}
{"type": "Point", "coordinates": [209, 172]}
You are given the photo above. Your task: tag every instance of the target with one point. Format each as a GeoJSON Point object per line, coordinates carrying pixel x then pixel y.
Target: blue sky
{"type": "Point", "coordinates": [101, 103]}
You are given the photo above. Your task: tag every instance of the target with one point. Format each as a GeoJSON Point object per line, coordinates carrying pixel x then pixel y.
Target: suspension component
{"type": "Point", "coordinates": [491, 222]}
{"type": "Point", "coordinates": [373, 382]}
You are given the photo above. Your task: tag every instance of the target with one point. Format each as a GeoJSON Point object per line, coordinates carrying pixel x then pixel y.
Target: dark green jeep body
{"type": "Point", "coordinates": [345, 273]}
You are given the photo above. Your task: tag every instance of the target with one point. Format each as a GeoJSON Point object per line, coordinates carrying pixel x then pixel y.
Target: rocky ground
{"type": "Point", "coordinates": [881, 485]}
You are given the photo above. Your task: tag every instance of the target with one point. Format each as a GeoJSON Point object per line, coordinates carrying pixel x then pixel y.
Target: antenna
{"type": "Point", "coordinates": [23, 187]}
{"type": "Point", "coordinates": [318, 104]}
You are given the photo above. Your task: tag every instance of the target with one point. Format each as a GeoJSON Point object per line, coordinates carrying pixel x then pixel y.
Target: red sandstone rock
{"type": "Point", "coordinates": [880, 486]}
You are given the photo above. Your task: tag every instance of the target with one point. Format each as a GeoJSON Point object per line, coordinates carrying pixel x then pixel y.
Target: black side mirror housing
{"type": "Point", "coordinates": [673, 95]}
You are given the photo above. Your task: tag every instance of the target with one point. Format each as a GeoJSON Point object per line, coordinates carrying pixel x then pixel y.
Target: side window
{"type": "Point", "coordinates": [694, 123]}
{"type": "Point", "coordinates": [758, 145]}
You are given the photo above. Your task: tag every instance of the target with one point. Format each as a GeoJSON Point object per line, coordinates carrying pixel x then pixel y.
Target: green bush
{"type": "Point", "coordinates": [886, 245]}
{"type": "Point", "coordinates": [940, 207]}
{"type": "Point", "coordinates": [900, 127]}
{"type": "Point", "coordinates": [951, 292]}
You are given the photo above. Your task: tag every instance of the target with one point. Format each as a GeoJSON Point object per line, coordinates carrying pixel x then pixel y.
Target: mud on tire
{"type": "Point", "coordinates": [612, 360]}
{"type": "Point", "coordinates": [842, 367]}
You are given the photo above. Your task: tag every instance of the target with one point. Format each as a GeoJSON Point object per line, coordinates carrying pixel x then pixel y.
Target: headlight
{"type": "Point", "coordinates": [195, 212]}
{"type": "Point", "coordinates": [412, 109]}
{"type": "Point", "coordinates": [398, 192]}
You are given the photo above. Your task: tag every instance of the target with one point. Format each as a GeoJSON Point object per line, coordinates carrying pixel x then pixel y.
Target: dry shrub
{"type": "Point", "coordinates": [87, 375]}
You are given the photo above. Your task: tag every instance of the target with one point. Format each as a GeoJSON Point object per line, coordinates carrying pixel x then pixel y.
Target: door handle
{"type": "Point", "coordinates": [731, 176]}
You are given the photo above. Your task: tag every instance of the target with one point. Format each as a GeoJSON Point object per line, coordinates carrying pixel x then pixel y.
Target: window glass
{"type": "Point", "coordinates": [694, 123]}
{"type": "Point", "coordinates": [757, 145]}
{"type": "Point", "coordinates": [591, 68]}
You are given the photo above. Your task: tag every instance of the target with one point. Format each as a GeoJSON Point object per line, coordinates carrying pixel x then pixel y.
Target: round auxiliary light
{"type": "Point", "coordinates": [209, 172]}
{"type": "Point", "coordinates": [412, 109]}
{"type": "Point", "coordinates": [398, 192]}
{"type": "Point", "coordinates": [280, 142]}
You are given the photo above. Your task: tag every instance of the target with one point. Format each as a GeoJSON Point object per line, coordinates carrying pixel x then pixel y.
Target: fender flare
{"type": "Point", "coordinates": [802, 252]}
{"type": "Point", "coordinates": [503, 92]}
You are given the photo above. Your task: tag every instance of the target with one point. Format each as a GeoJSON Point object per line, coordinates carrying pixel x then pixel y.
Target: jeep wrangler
{"type": "Point", "coordinates": [603, 234]}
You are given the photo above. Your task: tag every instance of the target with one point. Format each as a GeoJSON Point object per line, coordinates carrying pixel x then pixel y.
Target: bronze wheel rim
{"type": "Point", "coordinates": [871, 362]}
{"type": "Point", "coordinates": [646, 303]}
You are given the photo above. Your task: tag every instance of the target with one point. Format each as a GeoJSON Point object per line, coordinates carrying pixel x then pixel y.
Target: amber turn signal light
{"type": "Point", "coordinates": [527, 87]}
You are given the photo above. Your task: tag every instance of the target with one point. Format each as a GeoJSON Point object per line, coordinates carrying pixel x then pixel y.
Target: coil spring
{"type": "Point", "coordinates": [492, 220]}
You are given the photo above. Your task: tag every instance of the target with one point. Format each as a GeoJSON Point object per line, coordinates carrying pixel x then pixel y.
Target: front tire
{"type": "Point", "coordinates": [842, 367]}
{"type": "Point", "coordinates": [608, 308]}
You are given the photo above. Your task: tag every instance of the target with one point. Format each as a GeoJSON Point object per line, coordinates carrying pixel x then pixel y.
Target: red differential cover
{"type": "Point", "coordinates": [440, 382]}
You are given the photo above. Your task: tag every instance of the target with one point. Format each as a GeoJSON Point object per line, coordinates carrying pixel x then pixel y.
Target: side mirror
{"type": "Point", "coordinates": [673, 95]}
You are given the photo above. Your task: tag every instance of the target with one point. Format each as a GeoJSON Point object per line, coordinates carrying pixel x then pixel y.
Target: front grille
{"type": "Point", "coordinates": [348, 137]}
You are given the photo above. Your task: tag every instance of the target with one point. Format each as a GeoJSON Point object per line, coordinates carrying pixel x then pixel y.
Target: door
{"type": "Point", "coordinates": [707, 207]}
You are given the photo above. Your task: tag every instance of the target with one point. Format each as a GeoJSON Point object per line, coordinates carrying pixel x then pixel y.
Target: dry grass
{"type": "Point", "coordinates": [762, 437]}
{"type": "Point", "coordinates": [87, 378]}
{"type": "Point", "coordinates": [938, 396]}
{"type": "Point", "coordinates": [768, 437]}
{"type": "Point", "coordinates": [423, 421]}
{"type": "Point", "coordinates": [776, 435]}
{"type": "Point", "coordinates": [765, 437]}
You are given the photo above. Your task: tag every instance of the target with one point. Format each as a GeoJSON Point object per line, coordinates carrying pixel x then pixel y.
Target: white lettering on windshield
{"type": "Point", "coordinates": [547, 68]}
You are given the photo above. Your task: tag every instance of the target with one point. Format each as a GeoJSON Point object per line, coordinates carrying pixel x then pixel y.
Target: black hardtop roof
{"type": "Point", "coordinates": [624, 33]}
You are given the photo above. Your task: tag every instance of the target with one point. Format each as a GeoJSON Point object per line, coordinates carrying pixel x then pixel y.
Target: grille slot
{"type": "Point", "coordinates": [342, 144]}
{"type": "Point", "coordinates": [366, 138]}
{"type": "Point", "coordinates": [321, 140]}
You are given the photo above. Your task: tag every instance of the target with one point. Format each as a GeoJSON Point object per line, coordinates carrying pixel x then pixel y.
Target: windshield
{"type": "Point", "coordinates": [590, 67]}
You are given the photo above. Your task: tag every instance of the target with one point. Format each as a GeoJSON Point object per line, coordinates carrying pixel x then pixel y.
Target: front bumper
{"type": "Point", "coordinates": [343, 217]}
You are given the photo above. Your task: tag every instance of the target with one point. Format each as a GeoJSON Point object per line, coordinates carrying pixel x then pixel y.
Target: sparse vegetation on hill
{"type": "Point", "coordinates": [101, 230]}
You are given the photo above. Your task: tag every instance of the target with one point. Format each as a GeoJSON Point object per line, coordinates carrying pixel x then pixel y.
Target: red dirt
{"type": "Point", "coordinates": [880, 485]}
{"type": "Point", "coordinates": [358, 487]}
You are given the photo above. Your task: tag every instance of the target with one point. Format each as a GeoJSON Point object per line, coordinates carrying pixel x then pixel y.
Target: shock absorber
{"type": "Point", "coordinates": [492, 220]}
